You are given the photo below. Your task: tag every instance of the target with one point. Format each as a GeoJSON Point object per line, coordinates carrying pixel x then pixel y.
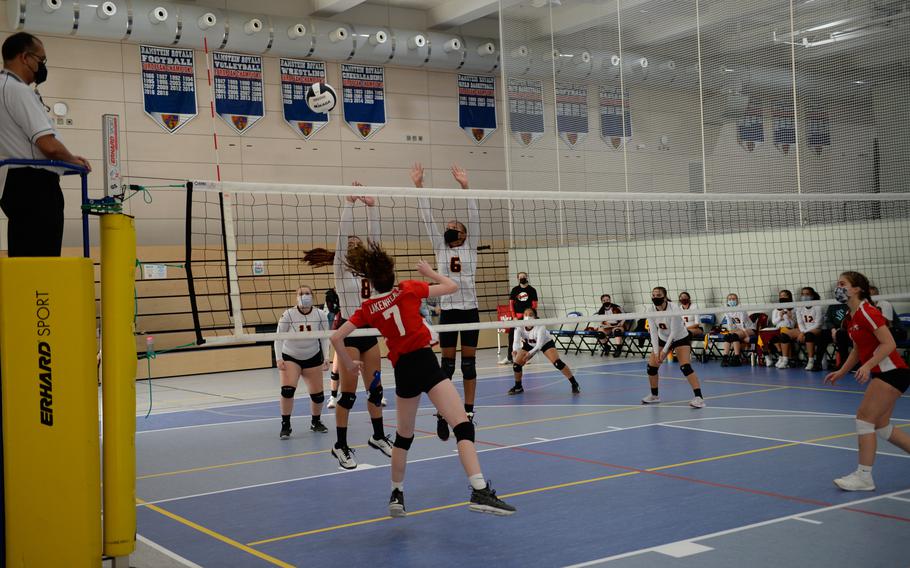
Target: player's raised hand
{"type": "Point", "coordinates": [460, 176]}
{"type": "Point", "coordinates": [417, 174]}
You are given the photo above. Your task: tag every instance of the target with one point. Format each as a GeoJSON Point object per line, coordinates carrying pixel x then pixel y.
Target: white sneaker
{"type": "Point", "coordinates": [331, 403]}
{"type": "Point", "coordinates": [697, 402]}
{"type": "Point", "coordinates": [783, 363]}
{"type": "Point", "coordinates": [769, 361]}
{"type": "Point", "coordinates": [384, 402]}
{"type": "Point", "coordinates": [384, 445]}
{"type": "Point", "coordinates": [810, 366]}
{"type": "Point", "coordinates": [650, 399]}
{"type": "Point", "coordinates": [345, 457]}
{"type": "Point", "coordinates": [856, 481]}
{"type": "Point", "coordinates": [503, 361]}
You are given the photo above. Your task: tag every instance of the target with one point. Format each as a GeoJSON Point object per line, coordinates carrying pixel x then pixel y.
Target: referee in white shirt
{"type": "Point", "coordinates": [32, 199]}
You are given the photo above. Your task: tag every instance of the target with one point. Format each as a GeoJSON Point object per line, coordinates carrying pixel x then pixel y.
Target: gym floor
{"type": "Point", "coordinates": [597, 478]}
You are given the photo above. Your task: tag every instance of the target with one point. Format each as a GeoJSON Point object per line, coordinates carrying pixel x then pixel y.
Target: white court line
{"type": "Point", "coordinates": [900, 498]}
{"type": "Point", "coordinates": [170, 554]}
{"type": "Point", "coordinates": [682, 549]}
{"type": "Point", "coordinates": [542, 439]}
{"type": "Point", "coordinates": [810, 521]}
{"type": "Point", "coordinates": [733, 530]}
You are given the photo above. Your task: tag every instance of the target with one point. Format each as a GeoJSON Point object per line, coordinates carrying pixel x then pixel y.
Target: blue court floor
{"type": "Point", "coordinates": [598, 479]}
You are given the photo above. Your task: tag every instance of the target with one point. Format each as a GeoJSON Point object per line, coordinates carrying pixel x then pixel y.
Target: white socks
{"type": "Point", "coordinates": [477, 481]}
{"type": "Point", "coordinates": [864, 469]}
{"type": "Point", "coordinates": [398, 486]}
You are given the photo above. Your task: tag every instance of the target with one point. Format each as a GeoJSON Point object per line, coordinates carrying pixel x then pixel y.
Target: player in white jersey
{"type": "Point", "coordinates": [456, 258]}
{"type": "Point", "coordinates": [533, 339]}
{"type": "Point", "coordinates": [352, 290]}
{"type": "Point", "coordinates": [306, 358]}
{"type": "Point", "coordinates": [692, 321]}
{"type": "Point", "coordinates": [669, 334]}
{"type": "Point", "coordinates": [809, 322]}
{"type": "Point", "coordinates": [740, 329]}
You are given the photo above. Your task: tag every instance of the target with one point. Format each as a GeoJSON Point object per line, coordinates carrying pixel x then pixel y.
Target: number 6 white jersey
{"type": "Point", "coordinates": [458, 263]}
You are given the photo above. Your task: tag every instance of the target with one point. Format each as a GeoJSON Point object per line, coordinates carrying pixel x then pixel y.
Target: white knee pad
{"type": "Point", "coordinates": [863, 427]}
{"type": "Point", "coordinates": [885, 432]}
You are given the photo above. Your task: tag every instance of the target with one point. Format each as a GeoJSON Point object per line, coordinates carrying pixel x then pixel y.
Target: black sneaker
{"type": "Point", "coordinates": [396, 504]}
{"type": "Point", "coordinates": [442, 427]}
{"type": "Point", "coordinates": [725, 361]}
{"type": "Point", "coordinates": [485, 501]}
{"type": "Point", "coordinates": [318, 426]}
{"type": "Point", "coordinates": [517, 389]}
{"type": "Point", "coordinates": [617, 350]}
{"type": "Point", "coordinates": [575, 389]}
{"type": "Point", "coordinates": [737, 361]}
{"type": "Point", "coordinates": [285, 431]}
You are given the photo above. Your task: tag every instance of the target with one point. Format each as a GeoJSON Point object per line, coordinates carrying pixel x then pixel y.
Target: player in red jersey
{"type": "Point", "coordinates": [395, 312]}
{"type": "Point", "coordinates": [884, 370]}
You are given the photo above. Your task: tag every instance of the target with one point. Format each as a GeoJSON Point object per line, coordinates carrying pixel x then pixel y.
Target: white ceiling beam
{"type": "Point", "coordinates": [332, 7]}
{"type": "Point", "coordinates": [460, 12]}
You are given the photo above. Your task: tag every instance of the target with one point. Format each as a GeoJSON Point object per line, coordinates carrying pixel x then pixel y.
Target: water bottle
{"type": "Point", "coordinates": [149, 345]}
{"type": "Point", "coordinates": [752, 358]}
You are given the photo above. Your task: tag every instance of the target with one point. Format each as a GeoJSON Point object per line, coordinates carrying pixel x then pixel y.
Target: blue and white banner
{"type": "Point", "coordinates": [168, 85]}
{"type": "Point", "coordinates": [364, 98]}
{"type": "Point", "coordinates": [818, 128]}
{"type": "Point", "coordinates": [238, 89]}
{"type": "Point", "coordinates": [477, 106]}
{"type": "Point", "coordinates": [750, 128]}
{"type": "Point", "coordinates": [784, 125]}
{"type": "Point", "coordinates": [526, 109]}
{"type": "Point", "coordinates": [572, 113]}
{"type": "Point", "coordinates": [615, 117]}
{"type": "Point", "coordinates": [296, 78]}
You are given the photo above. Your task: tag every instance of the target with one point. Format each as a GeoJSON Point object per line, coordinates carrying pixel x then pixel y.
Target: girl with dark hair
{"type": "Point", "coordinates": [528, 341]}
{"type": "Point", "coordinates": [809, 322]}
{"type": "Point", "coordinates": [669, 334]}
{"type": "Point", "coordinates": [882, 368]}
{"type": "Point", "coordinates": [395, 312]}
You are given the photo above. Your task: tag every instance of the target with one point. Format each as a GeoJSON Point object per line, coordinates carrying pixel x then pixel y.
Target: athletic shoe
{"type": "Point", "coordinates": [769, 361]}
{"type": "Point", "coordinates": [617, 350]}
{"type": "Point", "coordinates": [783, 363]}
{"type": "Point", "coordinates": [575, 389]}
{"type": "Point", "coordinates": [650, 399]}
{"type": "Point", "coordinates": [856, 481]}
{"type": "Point", "coordinates": [345, 457]}
{"type": "Point", "coordinates": [384, 402]}
{"type": "Point", "coordinates": [383, 444]}
{"type": "Point", "coordinates": [517, 389]}
{"type": "Point", "coordinates": [697, 402]}
{"type": "Point", "coordinates": [442, 427]}
{"type": "Point", "coordinates": [810, 366]}
{"type": "Point", "coordinates": [396, 504]}
{"type": "Point", "coordinates": [736, 361]}
{"type": "Point", "coordinates": [318, 426]}
{"type": "Point", "coordinates": [725, 361]}
{"type": "Point", "coordinates": [332, 401]}
{"type": "Point", "coordinates": [285, 431]}
{"type": "Point", "coordinates": [503, 361]}
{"type": "Point", "coordinates": [485, 501]}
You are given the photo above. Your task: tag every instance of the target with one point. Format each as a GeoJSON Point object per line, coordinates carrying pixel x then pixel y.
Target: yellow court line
{"type": "Point", "coordinates": [557, 486]}
{"type": "Point", "coordinates": [215, 535]}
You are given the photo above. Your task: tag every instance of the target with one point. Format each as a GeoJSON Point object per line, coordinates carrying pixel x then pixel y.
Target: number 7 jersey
{"type": "Point", "coordinates": [396, 315]}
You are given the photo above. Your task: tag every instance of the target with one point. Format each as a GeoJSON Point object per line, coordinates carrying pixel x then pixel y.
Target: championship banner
{"type": "Point", "coordinates": [572, 113]}
{"type": "Point", "coordinates": [477, 106]}
{"type": "Point", "coordinates": [750, 129]}
{"type": "Point", "coordinates": [784, 126]}
{"type": "Point", "coordinates": [818, 128]}
{"type": "Point", "coordinates": [168, 85]}
{"type": "Point", "coordinates": [363, 98]}
{"type": "Point", "coordinates": [296, 78]}
{"type": "Point", "coordinates": [615, 117]}
{"type": "Point", "coordinates": [526, 109]}
{"type": "Point", "coordinates": [238, 89]}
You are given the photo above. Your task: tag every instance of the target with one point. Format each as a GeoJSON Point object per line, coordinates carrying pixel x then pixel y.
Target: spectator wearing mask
{"type": "Point", "coordinates": [782, 319]}
{"type": "Point", "coordinates": [612, 330]}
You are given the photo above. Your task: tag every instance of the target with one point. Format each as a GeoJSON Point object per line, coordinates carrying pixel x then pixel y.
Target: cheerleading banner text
{"type": "Point", "coordinates": [615, 117]}
{"type": "Point", "coordinates": [168, 85]}
{"type": "Point", "coordinates": [238, 89]}
{"type": "Point", "coordinates": [296, 78]}
{"type": "Point", "coordinates": [572, 114]}
{"type": "Point", "coordinates": [477, 106]}
{"type": "Point", "coordinates": [526, 110]}
{"type": "Point", "coordinates": [363, 98]}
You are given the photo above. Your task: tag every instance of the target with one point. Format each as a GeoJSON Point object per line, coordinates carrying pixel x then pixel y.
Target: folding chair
{"type": "Point", "coordinates": [569, 336]}
{"type": "Point", "coordinates": [638, 341]}
{"type": "Point", "coordinates": [904, 343]}
{"type": "Point", "coordinates": [698, 341]}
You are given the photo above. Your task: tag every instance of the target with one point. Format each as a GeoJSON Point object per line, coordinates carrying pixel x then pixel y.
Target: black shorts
{"type": "Point", "coordinates": [684, 342]}
{"type": "Point", "coordinates": [548, 345]}
{"type": "Point", "coordinates": [315, 361]}
{"type": "Point", "coordinates": [468, 337]}
{"type": "Point", "coordinates": [417, 372]}
{"type": "Point", "coordinates": [897, 378]}
{"type": "Point", "coordinates": [362, 344]}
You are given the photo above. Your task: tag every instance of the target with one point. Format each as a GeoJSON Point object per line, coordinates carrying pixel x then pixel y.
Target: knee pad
{"type": "Point", "coordinates": [809, 338]}
{"type": "Point", "coordinates": [516, 367]}
{"type": "Point", "coordinates": [652, 371]}
{"type": "Point", "coordinates": [402, 442]}
{"type": "Point", "coordinates": [375, 397]}
{"type": "Point", "coordinates": [686, 369]}
{"type": "Point", "coordinates": [559, 365]}
{"type": "Point", "coordinates": [317, 397]}
{"type": "Point", "coordinates": [885, 432]}
{"type": "Point", "coordinates": [618, 332]}
{"type": "Point", "coordinates": [288, 392]}
{"type": "Point", "coordinates": [448, 367]}
{"type": "Point", "coordinates": [731, 338]}
{"type": "Point", "coordinates": [863, 427]}
{"type": "Point", "coordinates": [464, 431]}
{"type": "Point", "coordinates": [346, 400]}
{"type": "Point", "coordinates": [468, 368]}
{"type": "Point", "coordinates": [335, 376]}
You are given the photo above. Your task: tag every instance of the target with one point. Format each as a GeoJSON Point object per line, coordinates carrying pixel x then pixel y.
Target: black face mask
{"type": "Point", "coordinates": [522, 280]}
{"type": "Point", "coordinates": [607, 304]}
{"type": "Point", "coordinates": [41, 73]}
{"type": "Point", "coordinates": [658, 301]}
{"type": "Point", "coordinates": [684, 302]}
{"type": "Point", "coordinates": [450, 236]}
{"type": "Point", "coordinates": [785, 300]}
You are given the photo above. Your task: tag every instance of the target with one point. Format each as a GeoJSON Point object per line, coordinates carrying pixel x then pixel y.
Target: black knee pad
{"type": "Point", "coordinates": [375, 397]}
{"type": "Point", "coordinates": [686, 369]}
{"type": "Point", "coordinates": [731, 338]}
{"type": "Point", "coordinates": [809, 338]}
{"type": "Point", "coordinates": [335, 376]}
{"type": "Point", "coordinates": [464, 431]}
{"type": "Point", "coordinates": [652, 371]}
{"type": "Point", "coordinates": [317, 397]}
{"type": "Point", "coordinates": [559, 365]}
{"type": "Point", "coordinates": [402, 442]}
{"type": "Point", "coordinates": [346, 400]}
{"type": "Point", "coordinates": [468, 368]}
{"type": "Point", "coordinates": [448, 367]}
{"type": "Point", "coordinates": [618, 332]}
{"type": "Point", "coordinates": [516, 367]}
{"type": "Point", "coordinates": [288, 392]}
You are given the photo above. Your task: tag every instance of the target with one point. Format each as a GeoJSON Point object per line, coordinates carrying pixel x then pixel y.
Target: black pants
{"type": "Point", "coordinates": [33, 203]}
